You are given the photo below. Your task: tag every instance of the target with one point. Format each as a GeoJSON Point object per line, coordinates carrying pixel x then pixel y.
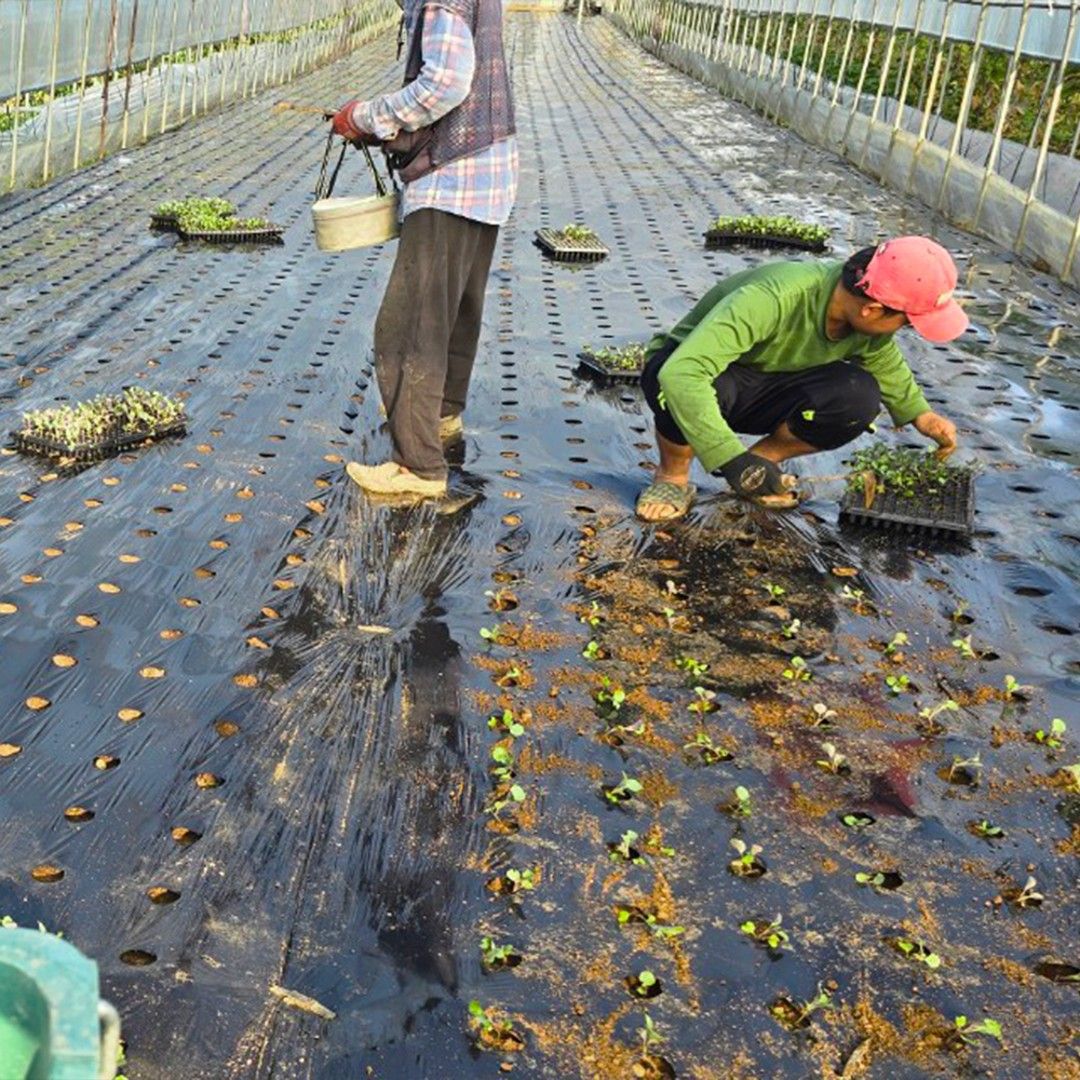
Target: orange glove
{"type": "Point", "coordinates": [344, 126]}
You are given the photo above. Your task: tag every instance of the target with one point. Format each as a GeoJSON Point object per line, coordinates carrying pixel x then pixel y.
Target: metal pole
{"type": "Point", "coordinates": [842, 73]}
{"type": "Point", "coordinates": [127, 81]}
{"type": "Point", "coordinates": [824, 50]}
{"type": "Point", "coordinates": [1044, 148]}
{"type": "Point", "coordinates": [925, 122]}
{"type": "Point", "coordinates": [18, 90]}
{"type": "Point", "coordinates": [110, 53]}
{"type": "Point", "coordinates": [1003, 110]}
{"type": "Point", "coordinates": [149, 70]}
{"type": "Point", "coordinates": [82, 84]}
{"type": "Point", "coordinates": [885, 65]}
{"type": "Point", "coordinates": [168, 78]}
{"type": "Point", "coordinates": [57, 12]}
{"type": "Point", "coordinates": [965, 102]}
{"type": "Point", "coordinates": [857, 96]}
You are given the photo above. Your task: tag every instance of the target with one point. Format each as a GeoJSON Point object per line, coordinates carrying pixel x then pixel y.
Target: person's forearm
{"type": "Point", "coordinates": [443, 83]}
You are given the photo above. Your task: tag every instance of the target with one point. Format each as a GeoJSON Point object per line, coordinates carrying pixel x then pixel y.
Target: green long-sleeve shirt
{"type": "Point", "coordinates": [770, 318]}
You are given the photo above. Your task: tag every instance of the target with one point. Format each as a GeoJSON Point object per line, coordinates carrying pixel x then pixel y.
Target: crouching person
{"type": "Point", "coordinates": [801, 353]}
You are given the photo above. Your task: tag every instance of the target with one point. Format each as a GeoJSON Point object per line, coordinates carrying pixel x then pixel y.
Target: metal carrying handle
{"type": "Point", "coordinates": [328, 175]}
{"type": "Point", "coordinates": [109, 1020]}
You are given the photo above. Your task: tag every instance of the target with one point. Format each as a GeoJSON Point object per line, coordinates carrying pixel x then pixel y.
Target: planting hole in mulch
{"type": "Point", "coordinates": [105, 762]}
{"type": "Point", "coordinates": [856, 819]}
{"type": "Point", "coordinates": [653, 1067]}
{"type": "Point", "coordinates": [78, 814]}
{"type": "Point", "coordinates": [184, 836]}
{"type": "Point", "coordinates": [1058, 972]}
{"type": "Point", "coordinates": [159, 894]}
{"type": "Point", "coordinates": [643, 986]}
{"type": "Point", "coordinates": [47, 873]}
{"type": "Point", "coordinates": [138, 957]}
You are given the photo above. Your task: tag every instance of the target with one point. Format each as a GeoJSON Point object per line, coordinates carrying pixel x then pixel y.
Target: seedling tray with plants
{"type": "Point", "coordinates": [573, 243]}
{"type": "Point", "coordinates": [766, 232]}
{"type": "Point", "coordinates": [613, 364]}
{"type": "Point", "coordinates": [102, 426]}
{"type": "Point", "coordinates": [909, 490]}
{"type": "Point", "coordinates": [213, 220]}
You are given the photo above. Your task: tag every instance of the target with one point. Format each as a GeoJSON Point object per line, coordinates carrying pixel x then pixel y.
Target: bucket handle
{"type": "Point", "coordinates": [109, 1019]}
{"type": "Point", "coordinates": [324, 187]}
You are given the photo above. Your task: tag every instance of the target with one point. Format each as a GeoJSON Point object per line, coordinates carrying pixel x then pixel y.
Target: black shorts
{"type": "Point", "coordinates": [824, 406]}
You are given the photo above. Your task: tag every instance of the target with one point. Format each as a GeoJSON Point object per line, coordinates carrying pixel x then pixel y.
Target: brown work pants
{"type": "Point", "coordinates": [427, 331]}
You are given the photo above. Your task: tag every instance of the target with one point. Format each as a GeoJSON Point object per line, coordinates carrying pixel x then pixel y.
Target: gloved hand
{"type": "Point", "coordinates": [752, 475]}
{"type": "Point", "coordinates": [344, 126]}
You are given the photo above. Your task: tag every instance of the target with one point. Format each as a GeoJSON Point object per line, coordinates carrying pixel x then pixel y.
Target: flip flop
{"type": "Point", "coordinates": [665, 493]}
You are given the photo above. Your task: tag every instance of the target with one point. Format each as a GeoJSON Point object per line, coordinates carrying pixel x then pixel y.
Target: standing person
{"type": "Point", "coordinates": [801, 353]}
{"type": "Point", "coordinates": [450, 135]}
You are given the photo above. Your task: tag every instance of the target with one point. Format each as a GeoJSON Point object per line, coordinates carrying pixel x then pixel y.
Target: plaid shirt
{"type": "Point", "coordinates": [481, 186]}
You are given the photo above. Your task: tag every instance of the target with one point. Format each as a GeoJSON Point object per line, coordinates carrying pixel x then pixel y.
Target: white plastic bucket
{"type": "Point", "coordinates": [343, 224]}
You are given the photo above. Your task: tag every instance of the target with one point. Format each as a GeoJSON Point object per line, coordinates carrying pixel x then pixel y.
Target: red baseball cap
{"type": "Point", "coordinates": [917, 276]}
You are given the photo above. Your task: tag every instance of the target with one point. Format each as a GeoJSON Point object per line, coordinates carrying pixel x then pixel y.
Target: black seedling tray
{"type": "Point", "coordinates": [164, 222]}
{"type": "Point", "coordinates": [550, 242]}
{"type": "Point", "coordinates": [270, 235]}
{"type": "Point", "coordinates": [714, 238]}
{"type": "Point", "coordinates": [949, 512]}
{"type": "Point", "coordinates": [103, 448]}
{"type": "Point", "coordinates": [604, 375]}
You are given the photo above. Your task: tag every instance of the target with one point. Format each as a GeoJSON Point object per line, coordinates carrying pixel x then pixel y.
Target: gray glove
{"type": "Point", "coordinates": [751, 475]}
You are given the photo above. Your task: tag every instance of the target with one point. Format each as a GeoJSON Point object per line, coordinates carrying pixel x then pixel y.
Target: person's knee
{"type": "Point", "coordinates": [859, 397]}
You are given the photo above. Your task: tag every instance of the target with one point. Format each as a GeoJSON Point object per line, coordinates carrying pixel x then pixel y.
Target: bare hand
{"type": "Point", "coordinates": [938, 428]}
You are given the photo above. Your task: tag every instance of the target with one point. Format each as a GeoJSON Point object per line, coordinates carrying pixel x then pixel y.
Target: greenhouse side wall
{"type": "Point", "coordinates": [886, 105]}
{"type": "Point", "coordinates": [81, 79]}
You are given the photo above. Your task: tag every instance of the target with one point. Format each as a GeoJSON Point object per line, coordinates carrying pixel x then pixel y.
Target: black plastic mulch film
{"type": "Point", "coordinates": [249, 707]}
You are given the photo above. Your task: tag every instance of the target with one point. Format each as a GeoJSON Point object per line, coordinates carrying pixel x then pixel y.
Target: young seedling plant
{"type": "Point", "coordinates": [702, 747]}
{"type": "Point", "coordinates": [780, 226]}
{"type": "Point", "coordinates": [964, 770]}
{"type": "Point", "coordinates": [621, 792]}
{"type": "Point", "coordinates": [833, 761]}
{"type": "Point", "coordinates": [774, 591]}
{"type": "Point", "coordinates": [1027, 897]}
{"type": "Point", "coordinates": [913, 950]}
{"type": "Point", "coordinates": [651, 1039]}
{"type": "Point", "coordinates": [1014, 689]}
{"type": "Point", "coordinates": [739, 805]}
{"type": "Point", "coordinates": [791, 629]}
{"type": "Point", "coordinates": [986, 829]}
{"type": "Point", "coordinates": [694, 668]}
{"type": "Point", "coordinates": [507, 722]}
{"type": "Point", "coordinates": [704, 701]}
{"type": "Point", "coordinates": [897, 684]}
{"type": "Point", "coordinates": [963, 1033]}
{"type": "Point", "coordinates": [794, 1016]}
{"type": "Point", "coordinates": [619, 358]}
{"type": "Point", "coordinates": [747, 864]}
{"type": "Point", "coordinates": [498, 956]}
{"type": "Point", "coordinates": [771, 934]}
{"type": "Point", "coordinates": [504, 795]}
{"type": "Point", "coordinates": [592, 651]}
{"type": "Point", "coordinates": [1053, 737]}
{"type": "Point", "coordinates": [625, 851]}
{"type": "Point", "coordinates": [609, 698]}
{"type": "Point", "coordinates": [491, 1030]}
{"type": "Point", "coordinates": [798, 670]}
{"type": "Point", "coordinates": [930, 714]}
{"type": "Point", "coordinates": [899, 640]}
{"type": "Point", "coordinates": [644, 984]}
{"type": "Point", "coordinates": [822, 715]}
{"type": "Point", "coordinates": [963, 646]}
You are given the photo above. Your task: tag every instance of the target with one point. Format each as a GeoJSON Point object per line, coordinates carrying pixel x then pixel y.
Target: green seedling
{"type": "Point", "coordinates": [963, 646]}
{"type": "Point", "coordinates": [507, 795]}
{"type": "Point", "coordinates": [770, 934]}
{"type": "Point", "coordinates": [594, 616]}
{"type": "Point", "coordinates": [1071, 775]}
{"type": "Point", "coordinates": [92, 423]}
{"type": "Point", "coordinates": [645, 981]}
{"type": "Point", "coordinates": [510, 677]}
{"type": "Point", "coordinates": [833, 761]}
{"type": "Point", "coordinates": [858, 601]}
{"type": "Point", "coordinates": [965, 1032]}
{"type": "Point", "coordinates": [791, 629]}
{"type": "Point", "coordinates": [490, 1029]}
{"type": "Point", "coordinates": [987, 829]}
{"type": "Point", "coordinates": [857, 821]}
{"type": "Point", "coordinates": [797, 1016]}
{"type": "Point", "coordinates": [490, 635]}
{"type": "Point", "coordinates": [650, 1036]}
{"type": "Point", "coordinates": [899, 639]}
{"type": "Point", "coordinates": [959, 612]}
{"type": "Point", "coordinates": [797, 670]}
{"type": "Point", "coordinates": [496, 956]}
{"type": "Point", "coordinates": [702, 746]}
{"type": "Point", "coordinates": [972, 766]}
{"type": "Point", "coordinates": [914, 951]}
{"type": "Point", "coordinates": [775, 591]}
{"type": "Point", "coordinates": [693, 668]}
{"type": "Point", "coordinates": [747, 864]}
{"type": "Point", "coordinates": [931, 713]}
{"type": "Point", "coordinates": [670, 616]}
{"type": "Point", "coordinates": [610, 696]}
{"type": "Point", "coordinates": [740, 805]}
{"type": "Point", "coordinates": [1052, 738]}
{"type": "Point", "coordinates": [624, 850]}
{"type": "Point", "coordinates": [875, 880]}
{"type": "Point", "coordinates": [614, 732]}
{"type": "Point", "coordinates": [591, 651]}
{"type": "Point", "coordinates": [1028, 896]}
{"type": "Point", "coordinates": [1014, 688]}
{"type": "Point", "coordinates": [703, 701]}
{"type": "Point", "coordinates": [822, 715]}
{"type": "Point", "coordinates": [623, 791]}
{"type": "Point", "coordinates": [522, 880]}
{"type": "Point", "coordinates": [501, 599]}
{"type": "Point", "coordinates": [502, 769]}
{"type": "Point", "coordinates": [897, 684]}
{"type": "Point", "coordinates": [619, 358]}
{"type": "Point", "coordinates": [507, 722]}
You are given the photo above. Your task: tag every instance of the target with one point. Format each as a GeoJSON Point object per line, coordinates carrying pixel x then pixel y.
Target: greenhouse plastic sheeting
{"type": "Point", "coordinates": [317, 656]}
{"type": "Point", "coordinates": [55, 39]}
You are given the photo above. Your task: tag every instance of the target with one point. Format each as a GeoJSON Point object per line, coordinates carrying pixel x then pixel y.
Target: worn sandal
{"type": "Point", "coordinates": [664, 493]}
